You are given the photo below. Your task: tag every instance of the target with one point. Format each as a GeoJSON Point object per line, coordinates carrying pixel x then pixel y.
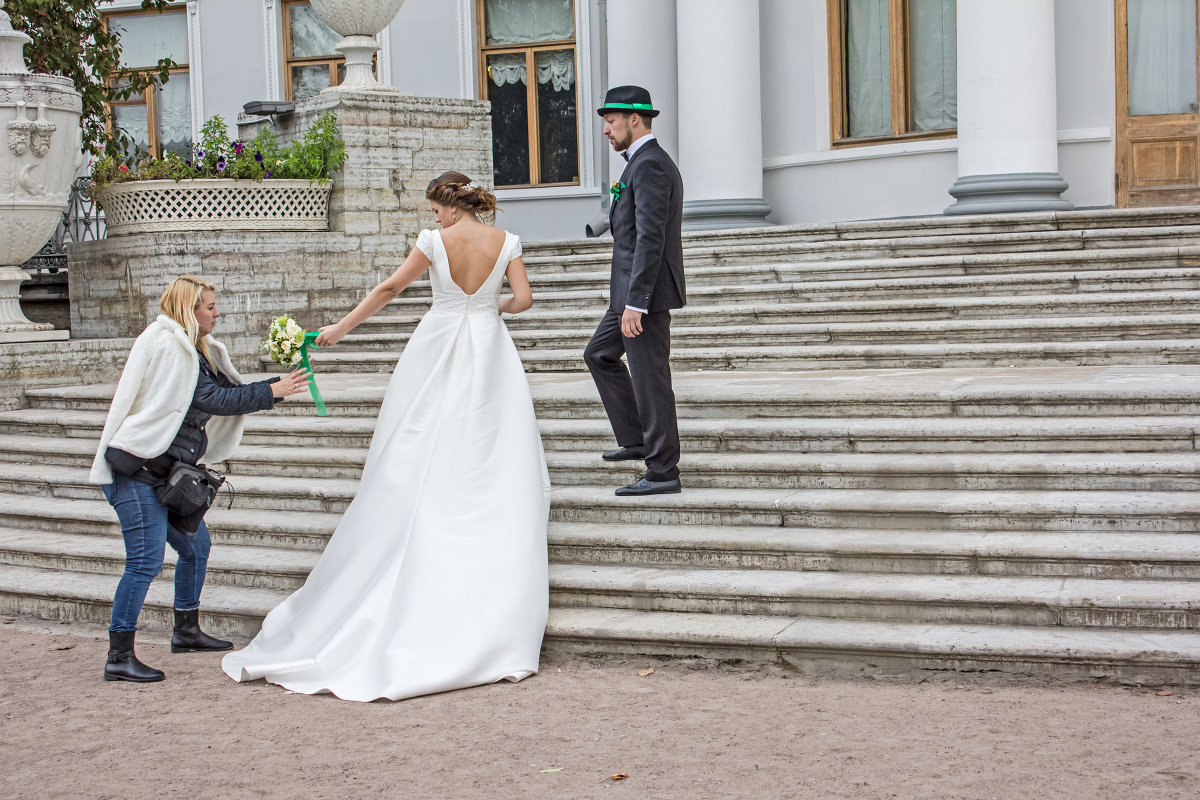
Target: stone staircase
{"type": "Point", "coordinates": [930, 444]}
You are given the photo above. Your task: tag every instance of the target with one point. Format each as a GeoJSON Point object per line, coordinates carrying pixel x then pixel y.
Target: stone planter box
{"type": "Point", "coordinates": [212, 204]}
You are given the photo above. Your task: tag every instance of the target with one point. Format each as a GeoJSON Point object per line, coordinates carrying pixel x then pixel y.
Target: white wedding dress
{"type": "Point", "coordinates": [435, 578]}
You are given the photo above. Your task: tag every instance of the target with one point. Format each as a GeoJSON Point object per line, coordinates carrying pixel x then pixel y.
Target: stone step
{"type": "Point", "coordinates": [810, 643]}
{"type": "Point", "coordinates": [284, 537]}
{"type": "Point", "coordinates": [725, 470]}
{"type": "Point", "coordinates": [1173, 556]}
{"type": "Point", "coordinates": [275, 568]}
{"type": "Point", "coordinates": [817, 645]}
{"type": "Point", "coordinates": [773, 245]}
{"type": "Point", "coordinates": [856, 290]}
{"type": "Point", "coordinates": [981, 600]}
{"type": "Point", "coordinates": [982, 225]}
{"type": "Point", "coordinates": [934, 509]}
{"type": "Point", "coordinates": [960, 393]}
{"type": "Point", "coordinates": [981, 264]}
{"type": "Point", "coordinates": [1094, 304]}
{"type": "Point", "coordinates": [796, 435]}
{"type": "Point", "coordinates": [845, 356]}
{"type": "Point", "coordinates": [1018, 329]}
{"type": "Point", "coordinates": [290, 530]}
{"type": "Point", "coordinates": [1021, 600]}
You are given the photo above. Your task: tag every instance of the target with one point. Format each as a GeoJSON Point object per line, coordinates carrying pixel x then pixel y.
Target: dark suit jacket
{"type": "Point", "coordinates": [647, 229]}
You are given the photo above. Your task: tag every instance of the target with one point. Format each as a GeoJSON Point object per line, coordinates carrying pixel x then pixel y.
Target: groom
{"type": "Point", "coordinates": [646, 217]}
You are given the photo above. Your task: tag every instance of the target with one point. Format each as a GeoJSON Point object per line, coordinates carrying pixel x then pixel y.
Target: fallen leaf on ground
{"type": "Point", "coordinates": [552, 769]}
{"type": "Point", "coordinates": [1164, 693]}
{"type": "Point", "coordinates": [619, 776]}
{"type": "Point", "coordinates": [645, 672]}
{"type": "Point", "coordinates": [64, 647]}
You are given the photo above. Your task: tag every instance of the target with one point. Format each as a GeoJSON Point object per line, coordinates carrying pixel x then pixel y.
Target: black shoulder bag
{"type": "Point", "coordinates": [187, 492]}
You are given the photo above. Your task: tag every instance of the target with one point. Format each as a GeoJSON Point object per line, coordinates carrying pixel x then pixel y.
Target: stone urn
{"type": "Point", "coordinates": [359, 21]}
{"type": "Point", "coordinates": [39, 158]}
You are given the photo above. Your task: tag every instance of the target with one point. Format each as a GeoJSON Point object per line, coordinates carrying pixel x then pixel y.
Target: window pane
{"type": "Point", "coordinates": [1162, 57]}
{"type": "Point", "coordinates": [175, 114]}
{"type": "Point", "coordinates": [524, 21]}
{"type": "Point", "coordinates": [510, 119]}
{"type": "Point", "coordinates": [310, 36]}
{"type": "Point", "coordinates": [145, 38]}
{"type": "Point", "coordinates": [309, 80]}
{"type": "Point", "coordinates": [933, 58]}
{"type": "Point", "coordinates": [868, 74]}
{"type": "Point", "coordinates": [134, 121]}
{"type": "Point", "coordinates": [557, 135]}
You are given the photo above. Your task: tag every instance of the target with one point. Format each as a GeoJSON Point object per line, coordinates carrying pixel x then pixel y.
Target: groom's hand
{"type": "Point", "coordinates": [631, 323]}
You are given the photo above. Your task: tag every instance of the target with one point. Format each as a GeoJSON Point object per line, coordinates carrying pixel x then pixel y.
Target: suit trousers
{"type": "Point", "coordinates": [639, 399]}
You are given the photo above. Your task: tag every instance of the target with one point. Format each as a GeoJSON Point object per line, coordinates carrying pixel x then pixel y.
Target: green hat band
{"type": "Point", "coordinates": [635, 106]}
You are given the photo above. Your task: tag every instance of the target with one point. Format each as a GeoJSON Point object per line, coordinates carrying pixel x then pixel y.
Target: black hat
{"type": "Point", "coordinates": [628, 98]}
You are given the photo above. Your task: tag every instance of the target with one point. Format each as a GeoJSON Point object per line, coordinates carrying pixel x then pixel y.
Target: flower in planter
{"type": "Point", "coordinates": [314, 156]}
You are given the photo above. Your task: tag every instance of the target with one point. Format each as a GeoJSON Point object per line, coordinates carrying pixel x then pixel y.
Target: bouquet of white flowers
{"type": "Point", "coordinates": [285, 342]}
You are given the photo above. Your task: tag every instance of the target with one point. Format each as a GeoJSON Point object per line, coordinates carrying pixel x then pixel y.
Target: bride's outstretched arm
{"type": "Point", "coordinates": [518, 281]}
{"type": "Point", "coordinates": [380, 296]}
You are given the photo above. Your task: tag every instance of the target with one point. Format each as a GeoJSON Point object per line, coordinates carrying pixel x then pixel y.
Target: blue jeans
{"type": "Point", "coordinates": [144, 526]}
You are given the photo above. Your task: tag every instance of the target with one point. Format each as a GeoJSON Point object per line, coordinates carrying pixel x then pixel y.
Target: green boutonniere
{"type": "Point", "coordinates": [615, 191]}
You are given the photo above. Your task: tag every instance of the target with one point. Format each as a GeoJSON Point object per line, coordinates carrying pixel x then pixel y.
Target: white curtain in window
{"type": "Point", "coordinates": [1162, 57]}
{"type": "Point", "coordinates": [145, 38]}
{"type": "Point", "coordinates": [525, 21]}
{"type": "Point", "coordinates": [506, 68]}
{"type": "Point", "coordinates": [933, 55]}
{"type": "Point", "coordinates": [133, 120]}
{"type": "Point", "coordinates": [175, 114]}
{"type": "Point", "coordinates": [556, 67]}
{"type": "Point", "coordinates": [868, 74]}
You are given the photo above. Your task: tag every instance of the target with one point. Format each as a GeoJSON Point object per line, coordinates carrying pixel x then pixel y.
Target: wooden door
{"type": "Point", "coordinates": [1158, 105]}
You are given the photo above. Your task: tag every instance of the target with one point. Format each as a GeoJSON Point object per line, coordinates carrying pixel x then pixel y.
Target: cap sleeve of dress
{"type": "Point", "coordinates": [516, 251]}
{"type": "Point", "coordinates": [425, 243]}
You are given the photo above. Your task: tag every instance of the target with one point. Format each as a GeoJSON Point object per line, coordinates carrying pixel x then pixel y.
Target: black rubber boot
{"type": "Point", "coordinates": [123, 665]}
{"type": "Point", "coordinates": [188, 638]}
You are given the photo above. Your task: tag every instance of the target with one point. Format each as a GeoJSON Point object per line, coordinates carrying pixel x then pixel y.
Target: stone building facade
{"type": "Point", "coordinates": [778, 111]}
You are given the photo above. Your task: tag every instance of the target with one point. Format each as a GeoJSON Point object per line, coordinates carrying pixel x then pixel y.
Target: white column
{"type": "Point", "coordinates": [641, 52]}
{"type": "Point", "coordinates": [1007, 112]}
{"type": "Point", "coordinates": [720, 114]}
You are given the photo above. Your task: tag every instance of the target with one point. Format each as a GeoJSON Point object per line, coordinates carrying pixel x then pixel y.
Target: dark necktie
{"type": "Point", "coordinates": [625, 155]}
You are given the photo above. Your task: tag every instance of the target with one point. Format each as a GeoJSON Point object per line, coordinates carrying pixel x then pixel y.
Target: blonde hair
{"type": "Point", "coordinates": [180, 301]}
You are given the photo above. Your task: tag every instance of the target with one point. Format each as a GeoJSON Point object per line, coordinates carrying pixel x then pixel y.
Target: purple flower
{"type": "Point", "coordinates": [199, 153]}
{"type": "Point", "coordinates": [237, 148]}
{"type": "Point", "coordinates": [221, 164]}
{"type": "Point", "coordinates": [268, 174]}
{"type": "Point", "coordinates": [257, 156]}
{"type": "Point", "coordinates": [187, 163]}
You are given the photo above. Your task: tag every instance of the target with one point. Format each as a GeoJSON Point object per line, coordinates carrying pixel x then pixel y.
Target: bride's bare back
{"type": "Point", "coordinates": [471, 250]}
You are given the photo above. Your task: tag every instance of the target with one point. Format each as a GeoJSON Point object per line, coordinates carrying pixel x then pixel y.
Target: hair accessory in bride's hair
{"type": "Point", "coordinates": [472, 185]}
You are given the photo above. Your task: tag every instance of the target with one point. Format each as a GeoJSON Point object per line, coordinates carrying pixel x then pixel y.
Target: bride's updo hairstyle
{"type": "Point", "coordinates": [457, 190]}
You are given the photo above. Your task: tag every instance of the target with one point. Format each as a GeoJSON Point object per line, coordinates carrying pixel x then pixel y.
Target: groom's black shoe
{"type": "Point", "coordinates": [625, 454]}
{"type": "Point", "coordinates": [642, 486]}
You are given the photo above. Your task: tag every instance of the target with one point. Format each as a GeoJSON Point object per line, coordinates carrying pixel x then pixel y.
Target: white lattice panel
{"type": "Point", "coordinates": [215, 204]}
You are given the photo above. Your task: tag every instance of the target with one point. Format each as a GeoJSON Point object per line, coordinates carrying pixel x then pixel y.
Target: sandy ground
{"type": "Point", "coordinates": [688, 730]}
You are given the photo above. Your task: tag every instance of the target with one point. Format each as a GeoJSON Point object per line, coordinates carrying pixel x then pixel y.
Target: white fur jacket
{"type": "Point", "coordinates": [155, 393]}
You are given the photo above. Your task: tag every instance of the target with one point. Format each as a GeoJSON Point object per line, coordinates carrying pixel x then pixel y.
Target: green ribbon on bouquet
{"type": "Point", "coordinates": [310, 339]}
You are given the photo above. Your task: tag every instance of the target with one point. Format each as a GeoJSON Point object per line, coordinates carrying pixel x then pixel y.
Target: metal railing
{"type": "Point", "coordinates": [83, 221]}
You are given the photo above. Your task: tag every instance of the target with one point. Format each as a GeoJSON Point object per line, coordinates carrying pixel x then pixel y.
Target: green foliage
{"type": "Point", "coordinates": [315, 156]}
{"type": "Point", "coordinates": [69, 39]}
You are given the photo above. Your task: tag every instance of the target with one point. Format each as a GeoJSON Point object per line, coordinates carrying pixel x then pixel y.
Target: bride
{"type": "Point", "coordinates": [435, 578]}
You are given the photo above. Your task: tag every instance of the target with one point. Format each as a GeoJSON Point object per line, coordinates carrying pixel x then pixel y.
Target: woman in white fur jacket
{"type": "Point", "coordinates": [177, 378]}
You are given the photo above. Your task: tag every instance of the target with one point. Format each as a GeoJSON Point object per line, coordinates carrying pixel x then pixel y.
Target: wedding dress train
{"type": "Point", "coordinates": [435, 578]}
